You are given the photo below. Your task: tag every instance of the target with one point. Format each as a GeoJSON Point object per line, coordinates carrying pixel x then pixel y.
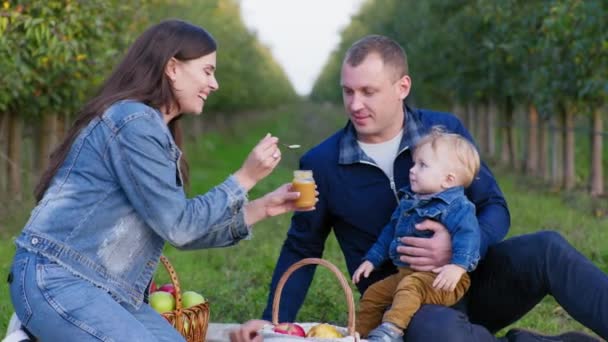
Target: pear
{"type": "Point", "coordinates": [324, 330]}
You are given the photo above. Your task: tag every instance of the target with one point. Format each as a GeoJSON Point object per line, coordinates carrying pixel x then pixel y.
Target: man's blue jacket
{"type": "Point", "coordinates": [356, 199]}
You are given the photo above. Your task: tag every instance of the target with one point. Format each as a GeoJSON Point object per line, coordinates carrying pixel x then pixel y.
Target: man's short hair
{"type": "Point", "coordinates": [391, 53]}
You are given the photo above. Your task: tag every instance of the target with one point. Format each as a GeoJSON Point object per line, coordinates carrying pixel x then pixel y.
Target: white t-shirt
{"type": "Point", "coordinates": [383, 153]}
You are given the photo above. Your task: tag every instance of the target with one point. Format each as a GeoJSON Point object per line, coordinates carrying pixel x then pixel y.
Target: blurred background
{"type": "Point", "coordinates": [529, 79]}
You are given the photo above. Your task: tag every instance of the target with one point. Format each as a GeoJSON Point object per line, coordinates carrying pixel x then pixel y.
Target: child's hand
{"type": "Point", "coordinates": [448, 277]}
{"type": "Point", "coordinates": [364, 269]}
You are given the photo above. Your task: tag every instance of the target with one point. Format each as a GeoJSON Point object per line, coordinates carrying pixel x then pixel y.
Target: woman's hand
{"type": "Point", "coordinates": [248, 332]}
{"type": "Point", "coordinates": [280, 201]}
{"type": "Point", "coordinates": [260, 162]}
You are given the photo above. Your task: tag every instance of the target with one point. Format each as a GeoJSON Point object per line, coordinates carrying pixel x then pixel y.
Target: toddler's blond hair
{"type": "Point", "coordinates": [467, 157]}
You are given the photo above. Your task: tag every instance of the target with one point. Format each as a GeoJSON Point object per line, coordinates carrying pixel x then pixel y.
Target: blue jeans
{"type": "Point", "coordinates": [55, 305]}
{"type": "Point", "coordinates": [514, 276]}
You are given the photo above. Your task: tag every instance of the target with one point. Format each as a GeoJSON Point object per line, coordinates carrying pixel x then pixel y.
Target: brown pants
{"type": "Point", "coordinates": [406, 290]}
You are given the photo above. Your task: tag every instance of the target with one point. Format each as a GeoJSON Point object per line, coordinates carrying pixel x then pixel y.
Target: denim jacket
{"type": "Point", "coordinates": [450, 207]}
{"type": "Point", "coordinates": [117, 198]}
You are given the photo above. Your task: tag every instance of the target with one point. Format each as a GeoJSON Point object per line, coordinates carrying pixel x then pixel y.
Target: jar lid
{"type": "Point", "coordinates": [302, 174]}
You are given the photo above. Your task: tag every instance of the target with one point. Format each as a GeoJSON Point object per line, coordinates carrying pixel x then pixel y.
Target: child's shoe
{"type": "Point", "coordinates": [386, 332]}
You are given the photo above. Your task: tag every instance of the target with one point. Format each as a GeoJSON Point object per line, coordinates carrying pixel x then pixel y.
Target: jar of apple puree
{"type": "Point", "coordinates": [304, 183]}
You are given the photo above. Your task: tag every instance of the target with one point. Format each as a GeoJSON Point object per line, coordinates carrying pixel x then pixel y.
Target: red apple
{"type": "Point", "coordinates": [152, 287]}
{"type": "Point", "coordinates": [167, 288]}
{"type": "Point", "coordinates": [289, 329]}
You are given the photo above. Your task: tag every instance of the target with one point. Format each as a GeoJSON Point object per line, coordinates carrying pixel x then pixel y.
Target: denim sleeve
{"type": "Point", "coordinates": [379, 252]}
{"type": "Point", "coordinates": [141, 160]}
{"type": "Point", "coordinates": [464, 229]}
{"type": "Point", "coordinates": [492, 211]}
{"type": "Point", "coordinates": [305, 239]}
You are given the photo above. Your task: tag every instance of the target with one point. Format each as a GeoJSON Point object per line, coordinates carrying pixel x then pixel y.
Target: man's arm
{"type": "Point", "coordinates": [492, 211]}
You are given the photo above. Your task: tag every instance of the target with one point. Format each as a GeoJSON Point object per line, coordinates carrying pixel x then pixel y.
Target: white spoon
{"type": "Point", "coordinates": [291, 147]}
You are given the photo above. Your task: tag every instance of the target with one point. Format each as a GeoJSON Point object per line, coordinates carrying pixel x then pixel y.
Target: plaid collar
{"type": "Point", "coordinates": [351, 153]}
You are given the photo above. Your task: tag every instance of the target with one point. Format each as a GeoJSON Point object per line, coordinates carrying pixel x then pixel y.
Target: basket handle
{"type": "Point", "coordinates": [316, 261]}
{"type": "Point", "coordinates": [174, 281]}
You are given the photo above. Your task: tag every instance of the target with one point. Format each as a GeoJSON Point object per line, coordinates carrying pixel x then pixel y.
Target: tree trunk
{"type": "Point", "coordinates": [597, 171]}
{"type": "Point", "coordinates": [4, 118]}
{"type": "Point", "coordinates": [491, 129]}
{"type": "Point", "coordinates": [511, 136]}
{"type": "Point", "coordinates": [471, 119]}
{"type": "Point", "coordinates": [46, 141]}
{"type": "Point", "coordinates": [62, 122]}
{"type": "Point", "coordinates": [14, 156]}
{"type": "Point", "coordinates": [504, 134]}
{"type": "Point", "coordinates": [568, 140]}
{"type": "Point", "coordinates": [482, 134]}
{"type": "Point", "coordinates": [543, 159]}
{"type": "Point", "coordinates": [532, 143]}
{"type": "Point", "coordinates": [556, 153]}
{"type": "Point", "coordinates": [458, 111]}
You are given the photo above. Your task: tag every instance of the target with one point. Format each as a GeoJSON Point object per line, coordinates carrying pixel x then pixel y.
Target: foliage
{"type": "Point", "coordinates": [477, 50]}
{"type": "Point", "coordinates": [248, 75]}
{"type": "Point", "coordinates": [55, 52]}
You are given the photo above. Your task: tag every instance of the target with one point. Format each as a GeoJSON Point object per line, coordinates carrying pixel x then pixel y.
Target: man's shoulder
{"type": "Point", "coordinates": [434, 118]}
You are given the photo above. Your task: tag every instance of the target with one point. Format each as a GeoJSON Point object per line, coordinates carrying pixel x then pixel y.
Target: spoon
{"type": "Point", "coordinates": [291, 147]}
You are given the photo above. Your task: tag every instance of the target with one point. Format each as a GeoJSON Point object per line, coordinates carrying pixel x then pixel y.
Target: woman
{"type": "Point", "coordinates": [113, 195]}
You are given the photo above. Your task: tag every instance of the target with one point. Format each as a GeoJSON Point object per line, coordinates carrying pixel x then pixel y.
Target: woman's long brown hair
{"type": "Point", "coordinates": [139, 76]}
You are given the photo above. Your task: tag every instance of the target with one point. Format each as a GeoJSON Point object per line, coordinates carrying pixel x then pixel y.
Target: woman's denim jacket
{"type": "Point", "coordinates": [118, 197]}
{"type": "Point", "coordinates": [450, 207]}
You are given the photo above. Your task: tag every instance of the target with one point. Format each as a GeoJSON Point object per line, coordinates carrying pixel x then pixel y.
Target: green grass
{"type": "Point", "coordinates": [236, 279]}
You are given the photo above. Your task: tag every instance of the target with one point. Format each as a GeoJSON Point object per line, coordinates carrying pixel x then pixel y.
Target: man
{"type": "Point", "coordinates": [358, 171]}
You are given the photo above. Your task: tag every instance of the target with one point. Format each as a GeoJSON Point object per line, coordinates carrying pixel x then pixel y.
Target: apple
{"type": "Point", "coordinates": [289, 329]}
{"type": "Point", "coordinates": [324, 330]}
{"type": "Point", "coordinates": [152, 287]}
{"type": "Point", "coordinates": [167, 288]}
{"type": "Point", "coordinates": [162, 301]}
{"type": "Point", "coordinates": [191, 298]}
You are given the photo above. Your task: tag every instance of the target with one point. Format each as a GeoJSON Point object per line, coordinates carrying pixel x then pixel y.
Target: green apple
{"type": "Point", "coordinates": [191, 298]}
{"type": "Point", "coordinates": [162, 301]}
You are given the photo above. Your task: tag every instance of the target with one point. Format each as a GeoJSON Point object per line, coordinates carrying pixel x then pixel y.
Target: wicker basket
{"type": "Point", "coordinates": [190, 322]}
{"type": "Point", "coordinates": [350, 333]}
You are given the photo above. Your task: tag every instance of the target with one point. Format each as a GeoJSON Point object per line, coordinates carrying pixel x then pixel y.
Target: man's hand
{"type": "Point", "coordinates": [448, 277]}
{"type": "Point", "coordinates": [427, 254]}
{"type": "Point", "coordinates": [363, 270]}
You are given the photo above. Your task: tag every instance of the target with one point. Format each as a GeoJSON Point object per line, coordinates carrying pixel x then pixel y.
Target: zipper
{"type": "Point", "coordinates": [394, 188]}
{"type": "Point", "coordinates": [391, 181]}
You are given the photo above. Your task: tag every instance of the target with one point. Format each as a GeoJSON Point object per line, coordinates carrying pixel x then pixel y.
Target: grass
{"type": "Point", "coordinates": [236, 279]}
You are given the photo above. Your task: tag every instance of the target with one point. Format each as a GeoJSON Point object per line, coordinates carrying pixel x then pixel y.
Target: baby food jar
{"type": "Point", "coordinates": [304, 183]}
